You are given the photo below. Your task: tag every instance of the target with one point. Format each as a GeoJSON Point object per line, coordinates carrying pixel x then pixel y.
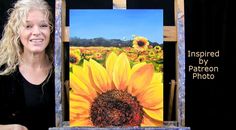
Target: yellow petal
{"type": "Point", "coordinates": [77, 85]}
{"type": "Point", "coordinates": [79, 107]}
{"type": "Point", "coordinates": [79, 111]}
{"type": "Point", "coordinates": [78, 98]}
{"type": "Point", "coordinates": [135, 68]}
{"type": "Point", "coordinates": [121, 72]}
{"type": "Point", "coordinates": [82, 105]}
{"type": "Point", "coordinates": [150, 122]}
{"type": "Point", "coordinates": [86, 70]}
{"type": "Point", "coordinates": [140, 79]}
{"type": "Point", "coordinates": [110, 62]}
{"type": "Point", "coordinates": [152, 96]}
{"type": "Point", "coordinates": [81, 122]}
{"type": "Point", "coordinates": [76, 111]}
{"type": "Point", "coordinates": [100, 76]}
{"type": "Point", "coordinates": [94, 88]}
{"type": "Point", "coordinates": [159, 77]}
{"type": "Point", "coordinates": [82, 74]}
{"type": "Point", "coordinates": [73, 115]}
{"type": "Point", "coordinates": [156, 114]}
{"type": "Point", "coordinates": [86, 66]}
{"type": "Point", "coordinates": [79, 88]}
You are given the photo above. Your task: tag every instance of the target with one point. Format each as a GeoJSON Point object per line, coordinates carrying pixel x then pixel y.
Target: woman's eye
{"type": "Point", "coordinates": [28, 26]}
{"type": "Point", "coordinates": [44, 25]}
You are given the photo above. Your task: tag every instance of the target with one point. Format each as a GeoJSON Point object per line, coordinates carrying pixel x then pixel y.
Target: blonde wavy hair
{"type": "Point", "coordinates": [11, 47]}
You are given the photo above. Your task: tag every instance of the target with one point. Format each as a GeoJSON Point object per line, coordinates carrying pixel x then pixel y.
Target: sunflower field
{"type": "Point", "coordinates": [116, 87]}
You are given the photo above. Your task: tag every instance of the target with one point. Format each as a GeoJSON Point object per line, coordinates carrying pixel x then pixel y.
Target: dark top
{"type": "Point", "coordinates": [27, 104]}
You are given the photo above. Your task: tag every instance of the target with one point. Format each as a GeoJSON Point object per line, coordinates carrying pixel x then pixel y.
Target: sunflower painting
{"type": "Point", "coordinates": [115, 82]}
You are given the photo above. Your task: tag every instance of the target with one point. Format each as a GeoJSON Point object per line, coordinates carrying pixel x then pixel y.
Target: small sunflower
{"type": "Point", "coordinates": [157, 48]}
{"type": "Point", "coordinates": [98, 55]}
{"type": "Point", "coordinates": [140, 43]}
{"type": "Point", "coordinates": [75, 56]}
{"type": "Point", "coordinates": [141, 58]}
{"type": "Point", "coordinates": [116, 95]}
{"type": "Point", "coordinates": [151, 53]}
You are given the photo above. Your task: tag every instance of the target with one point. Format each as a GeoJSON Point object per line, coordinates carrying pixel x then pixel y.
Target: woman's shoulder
{"type": "Point", "coordinates": [4, 78]}
{"type": "Point", "coordinates": [9, 86]}
{"type": "Point", "coordinates": [8, 80]}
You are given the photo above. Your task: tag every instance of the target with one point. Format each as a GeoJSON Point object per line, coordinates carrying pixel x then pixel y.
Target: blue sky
{"type": "Point", "coordinates": [117, 24]}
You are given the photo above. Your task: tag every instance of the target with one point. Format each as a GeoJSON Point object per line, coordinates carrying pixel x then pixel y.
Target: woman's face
{"type": "Point", "coordinates": [35, 34]}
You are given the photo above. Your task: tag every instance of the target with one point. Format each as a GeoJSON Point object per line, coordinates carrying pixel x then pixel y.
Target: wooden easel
{"type": "Point", "coordinates": [171, 34]}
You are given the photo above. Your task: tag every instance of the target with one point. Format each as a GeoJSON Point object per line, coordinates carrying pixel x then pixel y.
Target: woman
{"type": "Point", "coordinates": [26, 68]}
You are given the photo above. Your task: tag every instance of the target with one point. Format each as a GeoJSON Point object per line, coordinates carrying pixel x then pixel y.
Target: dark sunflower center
{"type": "Point", "coordinates": [116, 108]}
{"type": "Point", "coordinates": [73, 59]}
{"type": "Point", "coordinates": [141, 43]}
{"type": "Point", "coordinates": [141, 59]}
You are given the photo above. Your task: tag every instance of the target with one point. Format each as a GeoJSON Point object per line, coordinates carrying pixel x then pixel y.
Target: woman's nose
{"type": "Point", "coordinates": [36, 30]}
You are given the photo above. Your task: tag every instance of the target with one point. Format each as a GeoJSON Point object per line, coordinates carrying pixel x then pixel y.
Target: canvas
{"type": "Point", "coordinates": [116, 68]}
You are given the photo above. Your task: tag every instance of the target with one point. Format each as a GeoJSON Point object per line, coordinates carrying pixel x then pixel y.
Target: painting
{"type": "Point", "coordinates": [116, 68]}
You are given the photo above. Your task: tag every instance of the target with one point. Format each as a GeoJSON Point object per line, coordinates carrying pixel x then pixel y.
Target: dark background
{"type": "Point", "coordinates": [209, 26]}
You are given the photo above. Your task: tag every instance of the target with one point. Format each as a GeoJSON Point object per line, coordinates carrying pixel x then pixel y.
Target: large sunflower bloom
{"type": "Point", "coordinates": [140, 43]}
{"type": "Point", "coordinates": [115, 95]}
